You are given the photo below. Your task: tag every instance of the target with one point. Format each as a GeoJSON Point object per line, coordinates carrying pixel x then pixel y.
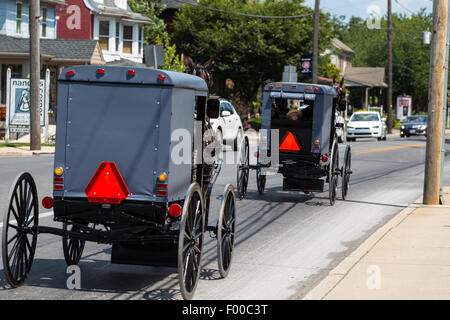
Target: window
{"type": "Point", "coordinates": [19, 17]}
{"type": "Point", "coordinates": [44, 22]}
{"type": "Point", "coordinates": [140, 40]}
{"type": "Point", "coordinates": [117, 36]}
{"type": "Point", "coordinates": [228, 107]}
{"type": "Point", "coordinates": [127, 39]}
{"type": "Point", "coordinates": [103, 35]}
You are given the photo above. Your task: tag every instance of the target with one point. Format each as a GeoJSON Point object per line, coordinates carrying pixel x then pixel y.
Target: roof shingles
{"type": "Point", "coordinates": [70, 49]}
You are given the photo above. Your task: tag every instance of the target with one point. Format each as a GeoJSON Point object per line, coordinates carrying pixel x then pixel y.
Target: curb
{"type": "Point", "coordinates": [336, 275]}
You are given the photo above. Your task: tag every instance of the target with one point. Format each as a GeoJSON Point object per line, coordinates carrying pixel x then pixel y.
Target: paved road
{"type": "Point", "coordinates": [286, 242]}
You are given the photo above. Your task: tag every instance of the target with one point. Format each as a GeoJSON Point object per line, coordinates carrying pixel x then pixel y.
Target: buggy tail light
{"type": "Point", "coordinates": [47, 202]}
{"type": "Point", "coordinates": [316, 145]}
{"type": "Point", "coordinates": [100, 71]}
{"type": "Point", "coordinates": [324, 158]}
{"type": "Point", "coordinates": [131, 72]}
{"type": "Point", "coordinates": [175, 210]}
{"type": "Point", "coordinates": [161, 77]}
{"type": "Point", "coordinates": [70, 73]}
{"type": "Point", "coordinates": [271, 87]}
{"type": "Point", "coordinates": [161, 189]}
{"type": "Point", "coordinates": [106, 185]}
{"type": "Point", "coordinates": [290, 143]}
{"type": "Point", "coordinates": [162, 177]}
{"type": "Point", "coordinates": [256, 154]}
{"type": "Point", "coordinates": [59, 171]}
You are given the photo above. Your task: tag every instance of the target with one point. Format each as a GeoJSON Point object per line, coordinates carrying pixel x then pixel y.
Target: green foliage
{"type": "Point", "coordinates": [250, 51]}
{"type": "Point", "coordinates": [411, 58]}
{"type": "Point", "coordinates": [173, 62]}
{"type": "Point", "coordinates": [255, 123]}
{"type": "Point", "coordinates": [151, 9]}
{"type": "Point", "coordinates": [330, 71]}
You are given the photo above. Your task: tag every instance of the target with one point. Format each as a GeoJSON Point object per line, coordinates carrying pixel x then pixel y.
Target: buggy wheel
{"type": "Point", "coordinates": [346, 171]}
{"type": "Point", "coordinates": [190, 241]}
{"type": "Point", "coordinates": [18, 241]}
{"type": "Point", "coordinates": [333, 173]}
{"type": "Point", "coordinates": [72, 248]}
{"type": "Point", "coordinates": [260, 180]}
{"type": "Point", "coordinates": [226, 229]}
{"type": "Point", "coordinates": [243, 169]}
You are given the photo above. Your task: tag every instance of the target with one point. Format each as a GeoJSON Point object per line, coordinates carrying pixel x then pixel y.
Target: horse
{"type": "Point", "coordinates": [341, 93]}
{"type": "Point", "coordinates": [199, 70]}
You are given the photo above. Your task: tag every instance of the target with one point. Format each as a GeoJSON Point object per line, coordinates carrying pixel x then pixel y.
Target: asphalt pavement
{"type": "Point", "coordinates": [286, 241]}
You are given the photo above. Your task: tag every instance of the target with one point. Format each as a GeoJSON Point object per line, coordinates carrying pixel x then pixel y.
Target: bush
{"type": "Point", "coordinates": [255, 123]}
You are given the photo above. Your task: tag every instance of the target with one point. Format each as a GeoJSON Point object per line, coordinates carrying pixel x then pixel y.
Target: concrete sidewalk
{"type": "Point", "coordinates": [407, 258]}
{"type": "Point", "coordinates": [24, 151]}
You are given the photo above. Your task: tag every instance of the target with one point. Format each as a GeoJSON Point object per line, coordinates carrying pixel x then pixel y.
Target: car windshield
{"type": "Point", "coordinates": [412, 119]}
{"type": "Point", "coordinates": [364, 117]}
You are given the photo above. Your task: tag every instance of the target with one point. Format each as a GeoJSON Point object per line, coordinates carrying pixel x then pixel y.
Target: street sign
{"type": "Point", "coordinates": [306, 63]}
{"type": "Point", "coordinates": [154, 55]}
{"type": "Point", "coordinates": [404, 107]}
{"type": "Point", "coordinates": [19, 104]}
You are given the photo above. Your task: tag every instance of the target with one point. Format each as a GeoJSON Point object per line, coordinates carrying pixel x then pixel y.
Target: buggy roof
{"type": "Point", "coordinates": [294, 87]}
{"type": "Point", "coordinates": [120, 74]}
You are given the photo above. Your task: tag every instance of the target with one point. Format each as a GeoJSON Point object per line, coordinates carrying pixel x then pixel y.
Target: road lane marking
{"type": "Point", "coordinates": [389, 148]}
{"type": "Point", "coordinates": [423, 144]}
{"type": "Point", "coordinates": [42, 215]}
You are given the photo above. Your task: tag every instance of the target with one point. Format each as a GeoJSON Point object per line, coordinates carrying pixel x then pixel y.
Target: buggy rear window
{"type": "Point", "coordinates": [292, 109]}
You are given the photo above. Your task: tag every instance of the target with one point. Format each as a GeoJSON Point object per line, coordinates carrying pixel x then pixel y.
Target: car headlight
{"type": "Point", "coordinates": [350, 128]}
{"type": "Point", "coordinates": [403, 127]}
{"type": "Point", "coordinates": [376, 127]}
{"type": "Point", "coordinates": [423, 127]}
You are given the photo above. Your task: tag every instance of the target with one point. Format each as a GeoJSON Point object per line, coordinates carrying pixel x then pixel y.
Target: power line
{"type": "Point", "coordinates": [403, 6]}
{"type": "Point", "coordinates": [243, 14]}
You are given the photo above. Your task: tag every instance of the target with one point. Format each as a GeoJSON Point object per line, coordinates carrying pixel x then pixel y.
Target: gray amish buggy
{"type": "Point", "coordinates": [307, 146]}
{"type": "Point", "coordinates": [116, 179]}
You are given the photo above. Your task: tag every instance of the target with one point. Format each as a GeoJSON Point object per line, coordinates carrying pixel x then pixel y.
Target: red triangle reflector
{"type": "Point", "coordinates": [106, 185]}
{"type": "Point", "coordinates": [290, 143]}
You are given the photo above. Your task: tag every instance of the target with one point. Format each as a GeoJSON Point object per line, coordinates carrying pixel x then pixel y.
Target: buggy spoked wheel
{"type": "Point", "coordinates": [226, 230]}
{"type": "Point", "coordinates": [333, 173]}
{"type": "Point", "coordinates": [72, 248]}
{"type": "Point", "coordinates": [19, 242]}
{"type": "Point", "coordinates": [190, 242]}
{"type": "Point", "coordinates": [260, 180]}
{"type": "Point", "coordinates": [243, 169]}
{"type": "Point", "coordinates": [346, 171]}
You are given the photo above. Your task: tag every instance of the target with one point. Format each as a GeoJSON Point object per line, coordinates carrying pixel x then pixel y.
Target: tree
{"type": "Point", "coordinates": [156, 32]}
{"type": "Point", "coordinates": [250, 51]}
{"type": "Point", "coordinates": [151, 9]}
{"type": "Point", "coordinates": [173, 62]}
{"type": "Point", "coordinates": [411, 59]}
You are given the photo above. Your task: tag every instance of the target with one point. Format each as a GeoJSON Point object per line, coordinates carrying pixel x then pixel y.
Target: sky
{"type": "Point", "coordinates": [362, 8]}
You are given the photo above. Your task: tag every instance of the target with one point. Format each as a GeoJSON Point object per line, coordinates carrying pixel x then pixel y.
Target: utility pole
{"type": "Point", "coordinates": [315, 60]}
{"type": "Point", "coordinates": [35, 70]}
{"type": "Point", "coordinates": [435, 99]}
{"type": "Point", "coordinates": [389, 95]}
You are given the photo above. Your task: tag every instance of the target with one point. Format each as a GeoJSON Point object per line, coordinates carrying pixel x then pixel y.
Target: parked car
{"type": "Point", "coordinates": [366, 124]}
{"type": "Point", "coordinates": [414, 125]}
{"type": "Point", "coordinates": [340, 124]}
{"type": "Point", "coordinates": [228, 127]}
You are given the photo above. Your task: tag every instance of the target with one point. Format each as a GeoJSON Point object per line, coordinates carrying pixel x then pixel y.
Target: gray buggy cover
{"type": "Point", "coordinates": [128, 119]}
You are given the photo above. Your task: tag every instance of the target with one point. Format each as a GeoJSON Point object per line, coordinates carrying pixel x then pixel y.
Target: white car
{"type": "Point", "coordinates": [366, 124]}
{"type": "Point", "coordinates": [228, 127]}
{"type": "Point", "coordinates": [339, 124]}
